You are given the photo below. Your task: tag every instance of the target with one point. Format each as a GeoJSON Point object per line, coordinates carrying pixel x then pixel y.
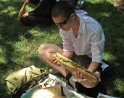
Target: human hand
{"type": "Point", "coordinates": [85, 82]}
{"type": "Point", "coordinates": [55, 61]}
{"type": "Point", "coordinates": [78, 76]}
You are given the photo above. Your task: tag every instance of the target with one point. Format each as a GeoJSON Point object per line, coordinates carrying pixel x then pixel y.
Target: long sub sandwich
{"type": "Point", "coordinates": [72, 66]}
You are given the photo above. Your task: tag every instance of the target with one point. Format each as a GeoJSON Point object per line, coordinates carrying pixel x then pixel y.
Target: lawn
{"type": "Point", "coordinates": [18, 44]}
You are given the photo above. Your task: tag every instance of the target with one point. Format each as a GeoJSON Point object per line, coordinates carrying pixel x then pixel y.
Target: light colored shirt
{"type": "Point", "coordinates": [90, 40]}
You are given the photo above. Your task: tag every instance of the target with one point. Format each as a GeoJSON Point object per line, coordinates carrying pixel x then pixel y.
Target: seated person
{"type": "Point", "coordinates": [39, 16]}
{"type": "Point", "coordinates": [83, 40]}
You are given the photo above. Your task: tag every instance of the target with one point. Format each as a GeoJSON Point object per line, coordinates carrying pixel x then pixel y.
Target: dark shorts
{"type": "Point", "coordinates": [92, 92]}
{"type": "Point", "coordinates": [33, 20]}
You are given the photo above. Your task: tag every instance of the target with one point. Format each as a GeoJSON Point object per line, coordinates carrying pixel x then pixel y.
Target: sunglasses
{"type": "Point", "coordinates": [63, 22]}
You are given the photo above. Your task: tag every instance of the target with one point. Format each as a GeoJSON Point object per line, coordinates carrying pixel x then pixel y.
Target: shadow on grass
{"type": "Point", "coordinates": [111, 81]}
{"type": "Point", "coordinates": [11, 29]}
{"type": "Point", "coordinates": [111, 21]}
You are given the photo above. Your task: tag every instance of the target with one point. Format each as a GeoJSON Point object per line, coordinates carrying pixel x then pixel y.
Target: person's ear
{"type": "Point", "coordinates": [72, 16]}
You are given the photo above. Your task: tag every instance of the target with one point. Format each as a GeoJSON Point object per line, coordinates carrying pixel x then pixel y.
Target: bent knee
{"type": "Point", "coordinates": [42, 48]}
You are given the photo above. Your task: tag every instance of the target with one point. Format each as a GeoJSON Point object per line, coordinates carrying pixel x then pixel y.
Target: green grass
{"type": "Point", "coordinates": [18, 44]}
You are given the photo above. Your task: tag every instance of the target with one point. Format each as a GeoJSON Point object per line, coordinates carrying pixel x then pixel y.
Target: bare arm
{"type": "Point", "coordinates": [93, 66]}
{"type": "Point", "coordinates": [22, 12]}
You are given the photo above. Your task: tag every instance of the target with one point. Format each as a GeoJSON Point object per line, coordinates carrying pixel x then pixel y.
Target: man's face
{"type": "Point", "coordinates": [62, 23]}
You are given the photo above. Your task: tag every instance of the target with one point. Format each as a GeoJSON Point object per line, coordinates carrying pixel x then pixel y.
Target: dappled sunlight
{"type": "Point", "coordinates": [2, 56]}
{"type": "Point", "coordinates": [109, 57]}
{"type": "Point", "coordinates": [106, 14]}
{"type": "Point", "coordinates": [10, 10]}
{"type": "Point", "coordinates": [99, 1]}
{"type": "Point", "coordinates": [119, 85]}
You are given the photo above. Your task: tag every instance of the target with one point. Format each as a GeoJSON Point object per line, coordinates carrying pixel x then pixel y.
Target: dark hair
{"type": "Point", "coordinates": [35, 2]}
{"type": "Point", "coordinates": [62, 8]}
